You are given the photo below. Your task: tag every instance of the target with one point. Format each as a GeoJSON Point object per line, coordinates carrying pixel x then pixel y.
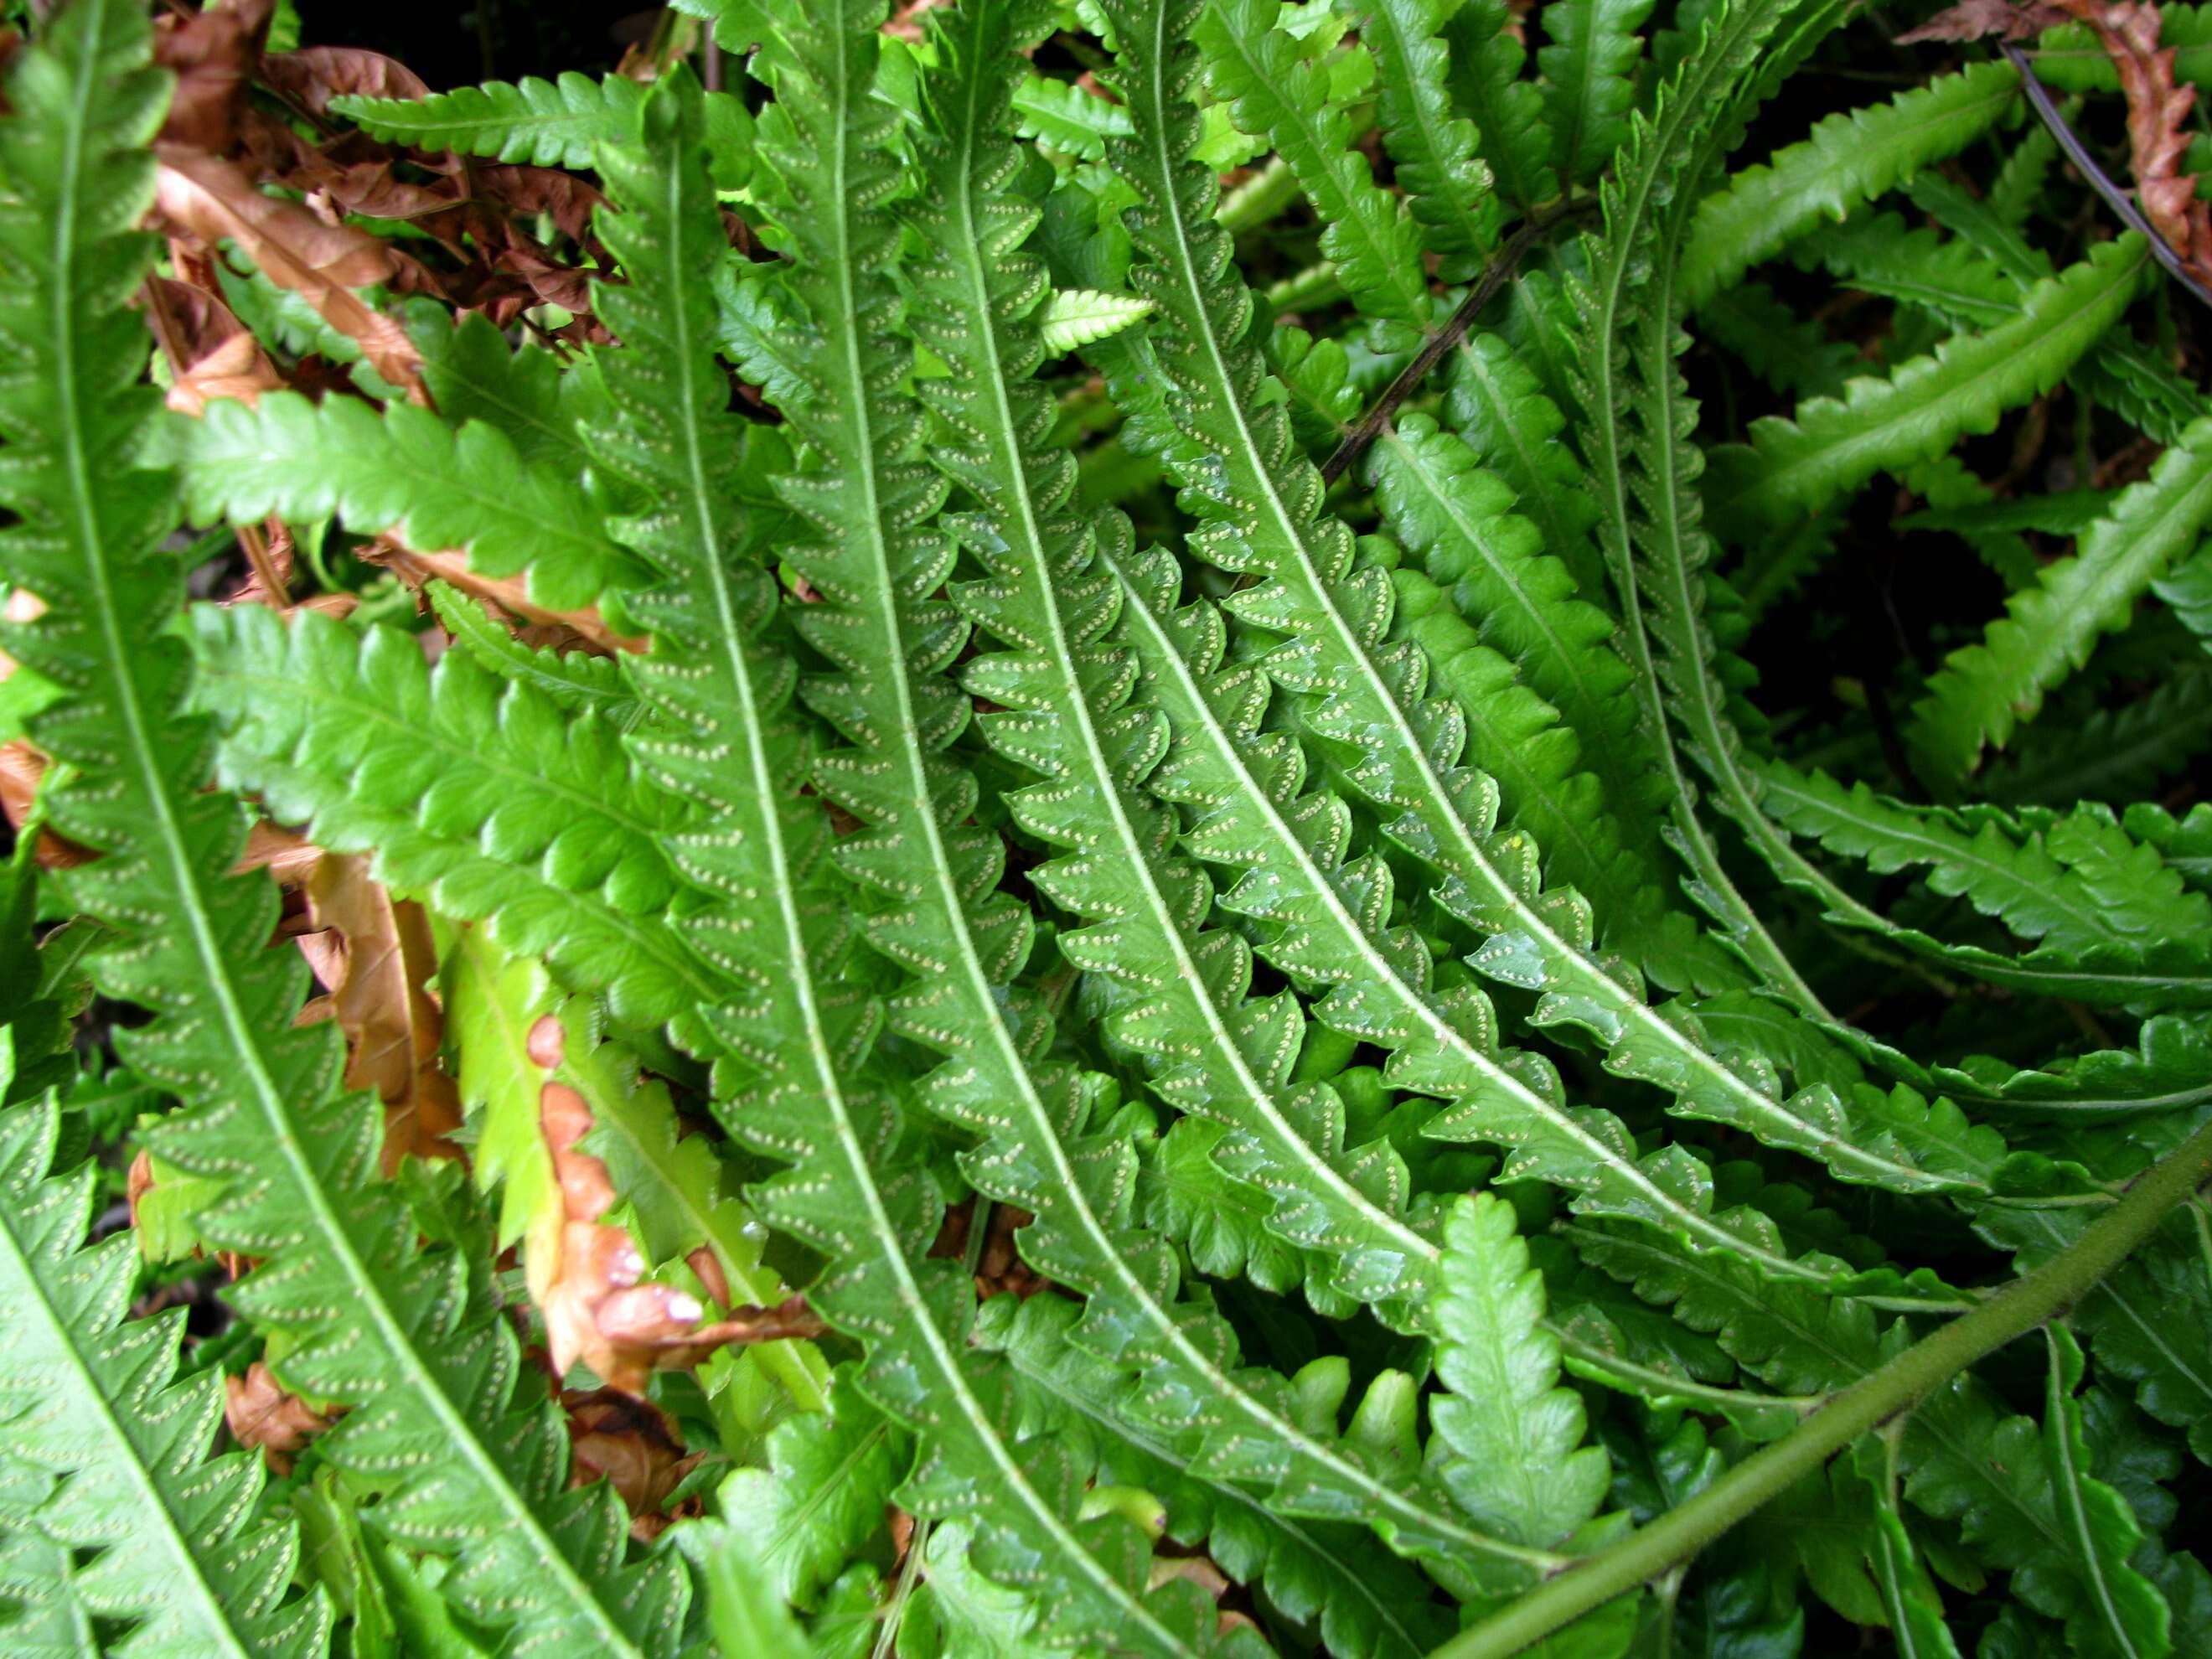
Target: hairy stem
{"type": "Point", "coordinates": [1899, 1386]}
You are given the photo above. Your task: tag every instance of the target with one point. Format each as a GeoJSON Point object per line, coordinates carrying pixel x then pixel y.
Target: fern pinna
{"type": "Point", "coordinates": [996, 828]}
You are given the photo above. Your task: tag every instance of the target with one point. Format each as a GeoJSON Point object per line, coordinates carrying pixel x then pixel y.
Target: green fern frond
{"type": "Point", "coordinates": [482, 797]}
{"type": "Point", "coordinates": [1066, 117]}
{"type": "Point", "coordinates": [2169, 1070]}
{"type": "Point", "coordinates": [1221, 1056]}
{"type": "Point", "coordinates": [1590, 81]}
{"type": "Point", "coordinates": [1485, 57]}
{"type": "Point", "coordinates": [1848, 159]}
{"type": "Point", "coordinates": [821, 1495]}
{"type": "Point", "coordinates": [1435, 152]}
{"type": "Point", "coordinates": [2074, 884]}
{"type": "Point", "coordinates": [474, 376]}
{"type": "Point", "coordinates": [438, 488]}
{"type": "Point", "coordinates": [2188, 590]}
{"type": "Point", "coordinates": [1273, 91]}
{"type": "Point", "coordinates": [1508, 1443]}
{"type": "Point", "coordinates": [1799, 465]}
{"type": "Point", "coordinates": [1232, 455]}
{"type": "Point", "coordinates": [1437, 502]}
{"type": "Point", "coordinates": [576, 680]}
{"type": "Point", "coordinates": [1984, 691]}
{"type": "Point", "coordinates": [91, 1402]}
{"type": "Point", "coordinates": [1361, 1600]}
{"type": "Point", "coordinates": [2145, 1323]}
{"type": "Point", "coordinates": [788, 1033]}
{"type": "Point", "coordinates": [406, 1336]}
{"type": "Point", "coordinates": [1061, 712]}
{"type": "Point", "coordinates": [1496, 403]}
{"type": "Point", "coordinates": [548, 123]}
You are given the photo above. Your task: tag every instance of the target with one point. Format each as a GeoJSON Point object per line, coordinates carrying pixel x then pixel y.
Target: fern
{"type": "Point", "coordinates": [1800, 464]}
{"type": "Point", "coordinates": [1447, 187]}
{"type": "Point", "coordinates": [1513, 1433]}
{"type": "Point", "coordinates": [94, 1412]}
{"type": "Point", "coordinates": [1848, 159]}
{"type": "Point", "coordinates": [1486, 59]}
{"type": "Point", "coordinates": [1360, 1059]}
{"type": "Point", "coordinates": [548, 123]}
{"type": "Point", "coordinates": [2099, 891]}
{"type": "Point", "coordinates": [371, 1317]}
{"type": "Point", "coordinates": [1274, 91]}
{"type": "Point", "coordinates": [479, 795]}
{"type": "Point", "coordinates": [1063, 716]}
{"type": "Point", "coordinates": [1589, 84]}
{"type": "Point", "coordinates": [808, 1099]}
{"type": "Point", "coordinates": [1984, 690]}
{"type": "Point", "coordinates": [435, 489]}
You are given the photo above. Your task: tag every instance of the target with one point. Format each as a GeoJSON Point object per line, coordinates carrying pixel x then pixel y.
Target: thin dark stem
{"type": "Point", "coordinates": [1498, 272]}
{"type": "Point", "coordinates": [2118, 199]}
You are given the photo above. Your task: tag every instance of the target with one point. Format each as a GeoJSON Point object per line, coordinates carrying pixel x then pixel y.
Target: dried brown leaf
{"type": "Point", "coordinates": [632, 1445]}
{"type": "Point", "coordinates": [213, 54]}
{"type": "Point", "coordinates": [260, 1413]}
{"type": "Point", "coordinates": [507, 593]}
{"type": "Point", "coordinates": [313, 77]}
{"type": "Point", "coordinates": [376, 955]}
{"type": "Point", "coordinates": [586, 1286]}
{"type": "Point", "coordinates": [1977, 20]}
{"type": "Point", "coordinates": [236, 369]}
{"type": "Point", "coordinates": [2158, 112]}
{"type": "Point", "coordinates": [213, 198]}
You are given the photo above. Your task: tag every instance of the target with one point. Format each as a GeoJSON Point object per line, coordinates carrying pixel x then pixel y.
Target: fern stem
{"type": "Point", "coordinates": [1897, 1388]}
{"type": "Point", "coordinates": [1494, 278]}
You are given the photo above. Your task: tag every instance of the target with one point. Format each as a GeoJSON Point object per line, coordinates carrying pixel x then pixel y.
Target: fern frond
{"type": "Point", "coordinates": [1233, 454]}
{"type": "Point", "coordinates": [576, 680]}
{"type": "Point", "coordinates": [1221, 1055]}
{"type": "Point", "coordinates": [404, 1335]}
{"type": "Point", "coordinates": [2169, 1070]}
{"type": "Point", "coordinates": [1066, 117]}
{"type": "Point", "coordinates": [548, 123]}
{"type": "Point", "coordinates": [1273, 91]}
{"type": "Point", "coordinates": [1535, 758]}
{"type": "Point", "coordinates": [1623, 438]}
{"type": "Point", "coordinates": [2074, 884]}
{"type": "Point", "coordinates": [1509, 1440]}
{"type": "Point", "coordinates": [1061, 712]}
{"type": "Point", "coordinates": [1435, 152]}
{"type": "Point", "coordinates": [1799, 465]}
{"type": "Point", "coordinates": [1497, 402]}
{"type": "Point", "coordinates": [91, 1403]}
{"type": "Point", "coordinates": [821, 1495]}
{"type": "Point", "coordinates": [480, 796]}
{"type": "Point", "coordinates": [793, 1038]}
{"type": "Point", "coordinates": [475, 376]}
{"type": "Point", "coordinates": [1984, 691]}
{"type": "Point", "coordinates": [436, 488]}
{"type": "Point", "coordinates": [2189, 592]}
{"type": "Point", "coordinates": [2125, 1613]}
{"type": "Point", "coordinates": [1437, 502]}
{"type": "Point", "coordinates": [1485, 60]}
{"type": "Point", "coordinates": [1590, 81]}
{"type": "Point", "coordinates": [1847, 159]}
{"type": "Point", "coordinates": [2146, 1322]}
{"type": "Point", "coordinates": [1674, 549]}
{"type": "Point", "coordinates": [1361, 1600]}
